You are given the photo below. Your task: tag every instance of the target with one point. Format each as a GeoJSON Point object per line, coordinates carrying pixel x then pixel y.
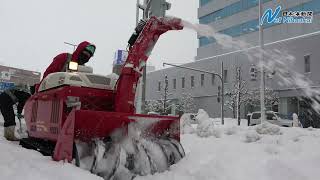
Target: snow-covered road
{"type": "Point", "coordinates": [292, 155]}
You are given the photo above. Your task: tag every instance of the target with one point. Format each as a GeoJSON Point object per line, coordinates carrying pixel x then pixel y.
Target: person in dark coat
{"type": "Point", "coordinates": [8, 98]}
{"type": "Point", "coordinates": [81, 55]}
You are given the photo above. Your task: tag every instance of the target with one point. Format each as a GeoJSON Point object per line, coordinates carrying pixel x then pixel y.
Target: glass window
{"type": "Point", "coordinates": [192, 81]}
{"type": "Point", "coordinates": [159, 86]}
{"type": "Point", "coordinates": [202, 80]}
{"type": "Point", "coordinates": [270, 116]}
{"type": "Point", "coordinates": [225, 74]}
{"type": "Point", "coordinates": [230, 10]}
{"type": "Point", "coordinates": [256, 115]}
{"type": "Point", "coordinates": [204, 2]}
{"type": "Point", "coordinates": [213, 77]}
{"type": "Point", "coordinates": [182, 82]}
{"type": "Point", "coordinates": [203, 41]}
{"type": "Point", "coordinates": [307, 64]}
{"type": "Point", "coordinates": [174, 83]}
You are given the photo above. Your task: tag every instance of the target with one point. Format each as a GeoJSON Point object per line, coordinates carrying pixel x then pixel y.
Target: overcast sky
{"type": "Point", "coordinates": [32, 32]}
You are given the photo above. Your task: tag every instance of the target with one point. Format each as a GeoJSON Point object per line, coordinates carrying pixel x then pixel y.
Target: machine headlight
{"type": "Point", "coordinates": [73, 66]}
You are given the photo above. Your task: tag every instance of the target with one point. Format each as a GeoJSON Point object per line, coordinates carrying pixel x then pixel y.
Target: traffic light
{"type": "Point", "coordinates": [253, 72]}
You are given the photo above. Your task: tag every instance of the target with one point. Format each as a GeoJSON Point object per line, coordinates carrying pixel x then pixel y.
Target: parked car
{"type": "Point", "coordinates": [271, 117]}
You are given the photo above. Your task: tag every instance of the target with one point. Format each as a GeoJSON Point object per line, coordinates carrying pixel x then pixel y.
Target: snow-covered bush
{"type": "Point", "coordinates": [216, 132]}
{"type": "Point", "coordinates": [295, 120]}
{"type": "Point", "coordinates": [186, 103]}
{"type": "Point", "coordinates": [252, 136]}
{"type": "Point", "coordinates": [154, 106]}
{"type": "Point", "coordinates": [185, 125]}
{"type": "Point", "coordinates": [231, 130]}
{"type": "Point", "coordinates": [202, 116]}
{"type": "Point", "coordinates": [206, 127]}
{"type": "Point", "coordinates": [268, 128]}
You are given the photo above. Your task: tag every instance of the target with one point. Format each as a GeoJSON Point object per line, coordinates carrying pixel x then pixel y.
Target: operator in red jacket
{"type": "Point", "coordinates": [81, 55]}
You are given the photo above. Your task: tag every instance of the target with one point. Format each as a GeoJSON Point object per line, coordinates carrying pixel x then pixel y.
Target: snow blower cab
{"type": "Point", "coordinates": [90, 119]}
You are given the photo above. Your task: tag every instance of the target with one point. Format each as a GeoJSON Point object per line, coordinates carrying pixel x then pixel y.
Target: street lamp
{"type": "Point", "coordinates": [212, 73]}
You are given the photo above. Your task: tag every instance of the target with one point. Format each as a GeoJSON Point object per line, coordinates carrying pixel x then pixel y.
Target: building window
{"type": "Point", "coordinates": [213, 77]}
{"type": "Point", "coordinates": [174, 83]}
{"type": "Point", "coordinates": [225, 74]}
{"type": "Point", "coordinates": [159, 86]}
{"type": "Point", "coordinates": [183, 82]}
{"type": "Point", "coordinates": [192, 81]}
{"type": "Point", "coordinates": [203, 41]}
{"type": "Point", "coordinates": [229, 10]}
{"type": "Point", "coordinates": [202, 80]}
{"type": "Point", "coordinates": [204, 2]}
{"type": "Point", "coordinates": [307, 62]}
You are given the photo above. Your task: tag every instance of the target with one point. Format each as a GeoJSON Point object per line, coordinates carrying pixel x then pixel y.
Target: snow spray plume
{"type": "Point", "coordinates": [274, 60]}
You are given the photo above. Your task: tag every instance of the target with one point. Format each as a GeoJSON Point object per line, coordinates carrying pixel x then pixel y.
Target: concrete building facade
{"type": "Point", "coordinates": [240, 20]}
{"type": "Point", "coordinates": [18, 76]}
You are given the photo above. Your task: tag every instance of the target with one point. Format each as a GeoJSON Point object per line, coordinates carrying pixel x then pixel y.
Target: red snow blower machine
{"type": "Point", "coordinates": [90, 120]}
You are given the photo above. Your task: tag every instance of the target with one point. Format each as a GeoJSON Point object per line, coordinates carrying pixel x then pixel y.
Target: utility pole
{"type": "Point", "coordinates": [238, 94]}
{"type": "Point", "coordinates": [137, 12]}
{"type": "Point", "coordinates": [262, 85]}
{"type": "Point", "coordinates": [222, 93]}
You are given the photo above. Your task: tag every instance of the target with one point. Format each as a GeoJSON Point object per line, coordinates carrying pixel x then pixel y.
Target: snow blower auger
{"type": "Point", "coordinates": [90, 120]}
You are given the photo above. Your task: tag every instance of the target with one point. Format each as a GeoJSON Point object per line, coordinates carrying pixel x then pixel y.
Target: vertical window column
{"type": "Point", "coordinates": [183, 82]}
{"type": "Point", "coordinates": [213, 77]}
{"type": "Point", "coordinates": [192, 81]}
{"type": "Point", "coordinates": [307, 64]}
{"type": "Point", "coordinates": [225, 74]}
{"type": "Point", "coordinates": [202, 80]}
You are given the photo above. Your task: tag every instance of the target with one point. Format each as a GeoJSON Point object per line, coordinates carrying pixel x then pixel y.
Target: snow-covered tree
{"type": "Point", "coordinates": [153, 106]}
{"type": "Point", "coordinates": [271, 97]}
{"type": "Point", "coordinates": [186, 103]}
{"type": "Point", "coordinates": [163, 105]}
{"type": "Point", "coordinates": [238, 94]}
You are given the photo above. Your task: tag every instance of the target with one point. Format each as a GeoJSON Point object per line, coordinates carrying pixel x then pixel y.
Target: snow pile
{"type": "Point", "coordinates": [252, 136]}
{"type": "Point", "coordinates": [231, 130]}
{"type": "Point", "coordinates": [229, 122]}
{"type": "Point", "coordinates": [291, 155]}
{"type": "Point", "coordinates": [267, 157]}
{"type": "Point", "coordinates": [268, 128]}
{"type": "Point", "coordinates": [296, 122]}
{"type": "Point", "coordinates": [206, 127]}
{"type": "Point", "coordinates": [185, 125]}
{"type": "Point", "coordinates": [18, 163]}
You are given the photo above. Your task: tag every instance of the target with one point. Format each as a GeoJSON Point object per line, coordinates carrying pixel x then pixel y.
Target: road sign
{"type": "Point", "coordinates": [6, 85]}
